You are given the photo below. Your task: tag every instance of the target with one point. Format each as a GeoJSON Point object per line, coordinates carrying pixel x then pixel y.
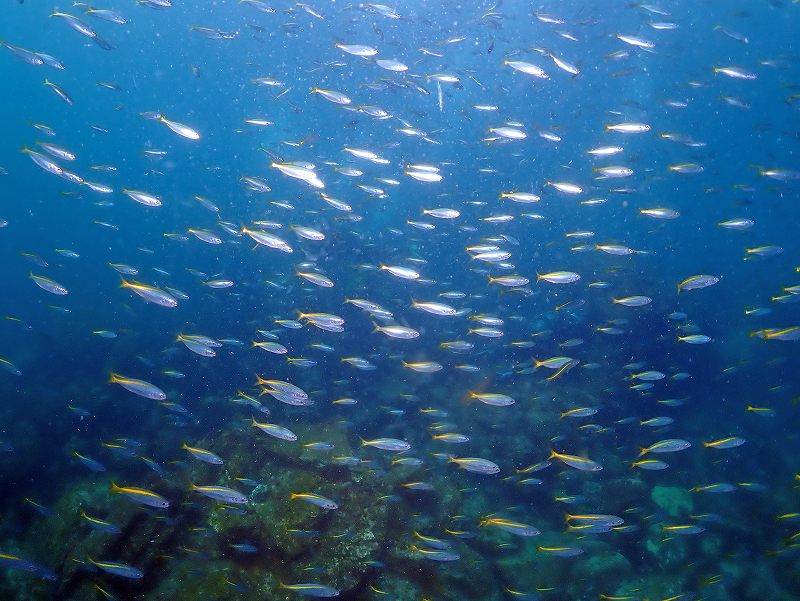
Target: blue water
{"type": "Point", "coordinates": [739, 127]}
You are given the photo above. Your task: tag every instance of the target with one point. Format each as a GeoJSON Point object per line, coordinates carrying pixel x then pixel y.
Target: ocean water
{"type": "Point", "coordinates": [512, 316]}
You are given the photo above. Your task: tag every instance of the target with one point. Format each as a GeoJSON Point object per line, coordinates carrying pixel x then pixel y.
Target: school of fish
{"type": "Point", "coordinates": [499, 250]}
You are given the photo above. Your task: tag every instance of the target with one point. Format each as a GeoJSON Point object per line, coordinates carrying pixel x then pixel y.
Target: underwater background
{"type": "Point", "coordinates": [436, 300]}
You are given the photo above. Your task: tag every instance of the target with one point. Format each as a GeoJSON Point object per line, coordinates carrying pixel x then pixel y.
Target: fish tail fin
{"type": "Point", "coordinates": [112, 378]}
{"type": "Point", "coordinates": [114, 488]}
{"type": "Point", "coordinates": [642, 452]}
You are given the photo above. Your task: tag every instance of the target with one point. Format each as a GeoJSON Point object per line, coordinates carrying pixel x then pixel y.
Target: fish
{"type": "Point", "coordinates": [91, 464]}
{"type": "Point", "coordinates": [140, 496]}
{"type": "Point", "coordinates": [59, 91]}
{"type": "Point", "coordinates": [101, 525]}
{"type": "Point", "coordinates": [275, 431]}
{"type": "Point", "coordinates": [475, 465]}
{"type": "Point", "coordinates": [118, 569]}
{"type": "Point", "coordinates": [311, 589]}
{"type": "Point", "coordinates": [220, 493]}
{"type": "Point", "coordinates": [517, 528]}
{"type": "Point", "coordinates": [139, 387]}
{"type": "Point", "coordinates": [203, 455]}
{"type": "Point", "coordinates": [668, 445]}
{"type": "Point", "coordinates": [49, 285]}
{"type": "Point", "coordinates": [15, 562]}
{"type": "Point", "coordinates": [315, 499]}
{"type": "Point", "coordinates": [150, 294]}
{"type": "Point", "coordinates": [391, 222]}
{"type": "Point", "coordinates": [387, 444]}
{"type": "Point", "coordinates": [579, 463]}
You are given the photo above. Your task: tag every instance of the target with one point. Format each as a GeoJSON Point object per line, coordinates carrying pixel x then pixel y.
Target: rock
{"type": "Point", "coordinates": [675, 501]}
